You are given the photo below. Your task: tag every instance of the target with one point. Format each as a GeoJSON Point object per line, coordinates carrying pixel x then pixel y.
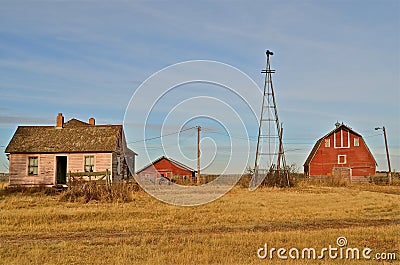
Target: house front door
{"type": "Point", "coordinates": [61, 170]}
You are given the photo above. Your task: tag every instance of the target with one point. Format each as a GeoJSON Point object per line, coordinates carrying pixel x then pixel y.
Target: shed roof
{"type": "Point", "coordinates": [318, 143]}
{"type": "Point", "coordinates": [75, 136]}
{"type": "Point", "coordinates": [169, 159]}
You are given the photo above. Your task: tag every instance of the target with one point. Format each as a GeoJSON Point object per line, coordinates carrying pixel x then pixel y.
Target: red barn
{"type": "Point", "coordinates": [341, 152]}
{"type": "Point", "coordinates": [168, 168]}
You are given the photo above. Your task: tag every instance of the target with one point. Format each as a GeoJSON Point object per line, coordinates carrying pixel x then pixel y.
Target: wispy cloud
{"type": "Point", "coordinates": [332, 61]}
{"type": "Point", "coordinates": [31, 120]}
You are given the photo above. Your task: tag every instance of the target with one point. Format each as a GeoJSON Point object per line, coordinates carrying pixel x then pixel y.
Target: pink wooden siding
{"type": "Point", "coordinates": [76, 161]}
{"type": "Point", "coordinates": [47, 167]}
{"type": "Point", "coordinates": [19, 170]}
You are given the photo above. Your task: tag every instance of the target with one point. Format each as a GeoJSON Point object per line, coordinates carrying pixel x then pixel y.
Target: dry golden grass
{"type": "Point", "coordinates": [39, 229]}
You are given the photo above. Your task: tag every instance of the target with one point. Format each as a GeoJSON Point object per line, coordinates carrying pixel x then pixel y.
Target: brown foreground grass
{"type": "Point", "coordinates": [40, 229]}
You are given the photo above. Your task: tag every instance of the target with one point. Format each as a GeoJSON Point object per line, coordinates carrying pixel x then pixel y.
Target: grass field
{"type": "Point", "coordinates": [41, 229]}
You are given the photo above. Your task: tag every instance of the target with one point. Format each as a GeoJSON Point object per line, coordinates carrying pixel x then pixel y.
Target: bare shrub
{"type": "Point", "coordinates": [285, 177]}
{"type": "Point", "coordinates": [92, 191]}
{"type": "Point", "coordinates": [28, 190]}
{"type": "Point", "coordinates": [244, 181]}
{"type": "Point", "coordinates": [323, 181]}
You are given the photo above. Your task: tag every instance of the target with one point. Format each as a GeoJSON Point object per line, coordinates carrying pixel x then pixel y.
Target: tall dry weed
{"type": "Point", "coordinates": [92, 191]}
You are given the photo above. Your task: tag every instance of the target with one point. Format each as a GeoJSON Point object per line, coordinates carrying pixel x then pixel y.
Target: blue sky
{"type": "Point", "coordinates": [335, 61]}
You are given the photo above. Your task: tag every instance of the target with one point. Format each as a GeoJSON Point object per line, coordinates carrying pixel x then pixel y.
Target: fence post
{"type": "Point", "coordinates": [107, 178]}
{"type": "Point", "coordinates": [69, 180]}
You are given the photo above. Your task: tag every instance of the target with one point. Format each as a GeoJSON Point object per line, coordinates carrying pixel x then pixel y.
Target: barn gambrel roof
{"type": "Point", "coordinates": [318, 143]}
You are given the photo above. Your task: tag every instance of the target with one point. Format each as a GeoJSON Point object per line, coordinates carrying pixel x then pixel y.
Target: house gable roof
{"type": "Point", "coordinates": [178, 164]}
{"type": "Point", "coordinates": [74, 123]}
{"type": "Point", "coordinates": [75, 136]}
{"type": "Point", "coordinates": [318, 143]}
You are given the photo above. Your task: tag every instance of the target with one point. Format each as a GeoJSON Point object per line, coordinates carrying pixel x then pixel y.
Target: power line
{"type": "Point", "coordinates": [224, 133]}
{"type": "Point", "coordinates": [289, 141]}
{"type": "Point", "coordinates": [158, 137]}
{"type": "Point", "coordinates": [236, 137]}
{"type": "Point", "coordinates": [373, 135]}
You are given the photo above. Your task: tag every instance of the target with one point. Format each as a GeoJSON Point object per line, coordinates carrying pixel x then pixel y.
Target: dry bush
{"type": "Point", "coordinates": [273, 180]}
{"type": "Point", "coordinates": [332, 181]}
{"type": "Point", "coordinates": [3, 185]}
{"type": "Point", "coordinates": [92, 191]}
{"type": "Point", "coordinates": [187, 181]}
{"type": "Point", "coordinates": [28, 190]}
{"type": "Point", "coordinates": [396, 178]}
{"type": "Point", "coordinates": [244, 181]}
{"type": "Point", "coordinates": [379, 180]}
{"type": "Point", "coordinates": [328, 181]}
{"type": "Point", "coordinates": [282, 178]}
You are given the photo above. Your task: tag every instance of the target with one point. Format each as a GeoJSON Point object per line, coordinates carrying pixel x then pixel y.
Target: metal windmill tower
{"type": "Point", "coordinates": [270, 159]}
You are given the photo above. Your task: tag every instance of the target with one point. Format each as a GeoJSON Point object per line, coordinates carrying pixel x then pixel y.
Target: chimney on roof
{"type": "Point", "coordinates": [92, 121]}
{"type": "Point", "coordinates": [60, 120]}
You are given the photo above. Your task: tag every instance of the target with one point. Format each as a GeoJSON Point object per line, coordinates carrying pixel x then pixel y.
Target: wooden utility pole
{"type": "Point", "coordinates": [387, 154]}
{"type": "Point", "coordinates": [198, 155]}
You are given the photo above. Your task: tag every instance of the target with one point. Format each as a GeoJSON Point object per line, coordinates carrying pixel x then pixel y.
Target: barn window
{"type": "Point", "coordinates": [341, 139]}
{"type": "Point", "coordinates": [342, 159]}
{"type": "Point", "coordinates": [33, 166]}
{"type": "Point", "coordinates": [327, 142]}
{"type": "Point", "coordinates": [356, 141]}
{"type": "Point", "coordinates": [89, 163]}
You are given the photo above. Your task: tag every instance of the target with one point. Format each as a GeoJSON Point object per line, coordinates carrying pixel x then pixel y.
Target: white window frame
{"type": "Point", "coordinates": [345, 159]}
{"type": "Point", "coordinates": [33, 158]}
{"type": "Point", "coordinates": [327, 142]}
{"type": "Point", "coordinates": [341, 144]}
{"type": "Point", "coordinates": [84, 163]}
{"type": "Point", "coordinates": [356, 141]}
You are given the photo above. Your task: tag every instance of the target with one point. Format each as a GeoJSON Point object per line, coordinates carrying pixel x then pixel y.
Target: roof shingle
{"type": "Point", "coordinates": [76, 136]}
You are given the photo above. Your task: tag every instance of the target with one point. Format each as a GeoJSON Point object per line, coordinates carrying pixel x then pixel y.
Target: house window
{"type": "Point", "coordinates": [342, 159]}
{"type": "Point", "coordinates": [356, 141]}
{"type": "Point", "coordinates": [327, 142]}
{"type": "Point", "coordinates": [89, 163]}
{"type": "Point", "coordinates": [33, 166]}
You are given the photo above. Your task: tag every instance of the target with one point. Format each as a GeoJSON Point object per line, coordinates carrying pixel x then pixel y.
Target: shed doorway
{"type": "Point", "coordinates": [61, 170]}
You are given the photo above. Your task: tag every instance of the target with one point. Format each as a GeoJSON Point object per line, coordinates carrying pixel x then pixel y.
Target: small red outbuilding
{"type": "Point", "coordinates": [341, 152]}
{"type": "Point", "coordinates": [168, 168]}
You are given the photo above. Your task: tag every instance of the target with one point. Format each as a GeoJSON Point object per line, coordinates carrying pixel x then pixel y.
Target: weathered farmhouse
{"type": "Point", "coordinates": [341, 152]}
{"type": "Point", "coordinates": [44, 155]}
{"type": "Point", "coordinates": [168, 168]}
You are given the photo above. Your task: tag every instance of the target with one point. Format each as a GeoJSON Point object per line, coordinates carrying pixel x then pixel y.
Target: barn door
{"type": "Point", "coordinates": [61, 170]}
{"type": "Point", "coordinates": [344, 172]}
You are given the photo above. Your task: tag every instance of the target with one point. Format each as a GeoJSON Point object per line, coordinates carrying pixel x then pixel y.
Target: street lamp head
{"type": "Point", "coordinates": [377, 128]}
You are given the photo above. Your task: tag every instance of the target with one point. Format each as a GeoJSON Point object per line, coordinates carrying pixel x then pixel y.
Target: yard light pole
{"type": "Point", "coordinates": [198, 155]}
{"type": "Point", "coordinates": [387, 153]}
